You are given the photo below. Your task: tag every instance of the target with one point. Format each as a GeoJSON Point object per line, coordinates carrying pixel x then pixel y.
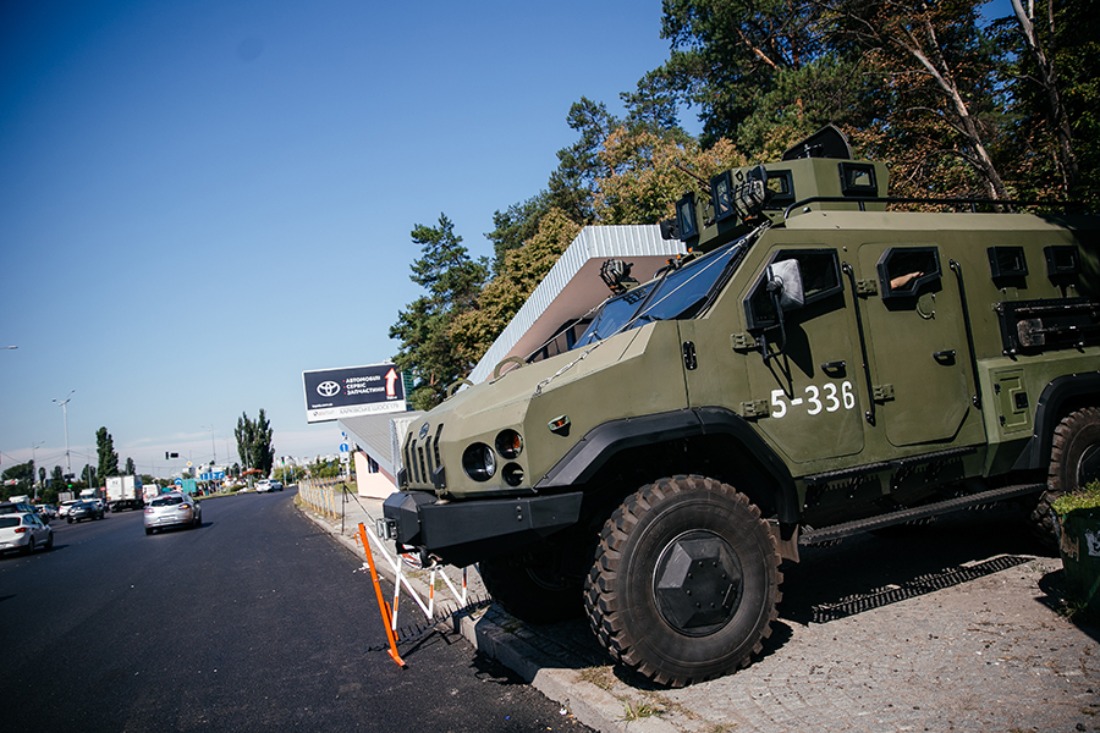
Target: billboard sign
{"type": "Point", "coordinates": [333, 394]}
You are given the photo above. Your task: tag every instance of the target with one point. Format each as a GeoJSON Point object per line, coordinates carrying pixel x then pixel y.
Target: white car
{"type": "Point", "coordinates": [174, 509]}
{"type": "Point", "coordinates": [63, 510]}
{"type": "Point", "coordinates": [263, 485]}
{"type": "Point", "coordinates": [23, 532]}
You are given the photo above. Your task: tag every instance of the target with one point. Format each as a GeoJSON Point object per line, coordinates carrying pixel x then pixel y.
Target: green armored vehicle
{"type": "Point", "coordinates": [819, 364]}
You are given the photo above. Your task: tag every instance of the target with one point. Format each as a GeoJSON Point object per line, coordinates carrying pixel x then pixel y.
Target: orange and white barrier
{"type": "Point", "coordinates": [397, 565]}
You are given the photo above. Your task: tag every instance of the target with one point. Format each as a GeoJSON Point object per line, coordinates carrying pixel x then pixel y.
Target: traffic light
{"type": "Point", "coordinates": [168, 455]}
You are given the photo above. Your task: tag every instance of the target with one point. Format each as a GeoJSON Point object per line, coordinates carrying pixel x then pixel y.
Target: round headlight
{"type": "Point", "coordinates": [479, 462]}
{"type": "Point", "coordinates": [512, 473]}
{"type": "Point", "coordinates": [509, 444]}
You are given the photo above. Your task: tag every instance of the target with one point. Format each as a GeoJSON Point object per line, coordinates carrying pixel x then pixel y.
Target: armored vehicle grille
{"type": "Point", "coordinates": [422, 458]}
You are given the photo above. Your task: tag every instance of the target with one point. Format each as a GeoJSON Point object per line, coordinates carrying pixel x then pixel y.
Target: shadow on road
{"type": "Point", "coordinates": [872, 571]}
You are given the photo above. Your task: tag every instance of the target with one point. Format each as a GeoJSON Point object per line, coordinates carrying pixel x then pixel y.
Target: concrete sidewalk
{"type": "Point", "coordinates": [950, 627]}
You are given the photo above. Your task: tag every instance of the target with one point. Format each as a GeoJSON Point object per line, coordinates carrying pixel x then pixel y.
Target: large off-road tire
{"type": "Point", "coordinates": [531, 586]}
{"type": "Point", "coordinates": [685, 582]}
{"type": "Point", "coordinates": [1074, 463]}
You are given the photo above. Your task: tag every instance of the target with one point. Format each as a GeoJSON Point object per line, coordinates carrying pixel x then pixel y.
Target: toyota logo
{"type": "Point", "coordinates": [328, 389]}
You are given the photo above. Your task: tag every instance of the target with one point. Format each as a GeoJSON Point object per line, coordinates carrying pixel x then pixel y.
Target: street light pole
{"type": "Point", "coordinates": [34, 466]}
{"type": "Point", "coordinates": [213, 447]}
{"type": "Point", "coordinates": [65, 414]}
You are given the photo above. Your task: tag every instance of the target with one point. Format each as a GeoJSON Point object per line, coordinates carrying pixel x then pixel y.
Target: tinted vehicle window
{"type": "Point", "coordinates": [820, 271]}
{"type": "Point", "coordinates": [168, 501]}
{"type": "Point", "coordinates": [679, 295]}
{"type": "Point", "coordinates": [9, 521]}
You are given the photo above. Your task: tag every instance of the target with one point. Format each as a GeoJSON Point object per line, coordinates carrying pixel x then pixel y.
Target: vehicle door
{"type": "Point", "coordinates": [920, 360]}
{"type": "Point", "coordinates": [790, 364]}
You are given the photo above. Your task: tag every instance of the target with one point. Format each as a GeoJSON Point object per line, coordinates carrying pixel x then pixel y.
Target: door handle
{"type": "Point", "coordinates": [835, 368]}
{"type": "Point", "coordinates": [947, 356]}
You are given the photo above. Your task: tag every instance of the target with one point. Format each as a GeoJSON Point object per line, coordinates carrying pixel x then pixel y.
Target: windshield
{"type": "Point", "coordinates": [680, 294]}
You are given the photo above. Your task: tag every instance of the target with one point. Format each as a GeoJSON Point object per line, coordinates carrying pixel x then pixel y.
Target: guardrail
{"type": "Point", "coordinates": [324, 496]}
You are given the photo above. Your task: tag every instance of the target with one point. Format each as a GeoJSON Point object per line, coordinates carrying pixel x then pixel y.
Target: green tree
{"type": "Point", "coordinates": [255, 442]}
{"type": "Point", "coordinates": [1050, 63]}
{"type": "Point", "coordinates": [131, 468]}
{"type": "Point", "coordinates": [22, 474]}
{"type": "Point", "coordinates": [727, 54]}
{"type": "Point", "coordinates": [105, 449]}
{"type": "Point", "coordinates": [938, 94]}
{"type": "Point", "coordinates": [472, 331]}
{"type": "Point", "coordinates": [451, 281]}
{"type": "Point", "coordinates": [324, 469]}
{"type": "Point", "coordinates": [88, 475]}
{"type": "Point", "coordinates": [515, 225]}
{"type": "Point", "coordinates": [57, 479]}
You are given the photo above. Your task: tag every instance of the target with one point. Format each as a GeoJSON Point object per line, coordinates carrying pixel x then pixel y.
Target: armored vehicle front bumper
{"type": "Point", "coordinates": [463, 532]}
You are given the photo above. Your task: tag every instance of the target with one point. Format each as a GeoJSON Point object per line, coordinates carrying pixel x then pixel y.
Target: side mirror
{"type": "Point", "coordinates": [784, 283]}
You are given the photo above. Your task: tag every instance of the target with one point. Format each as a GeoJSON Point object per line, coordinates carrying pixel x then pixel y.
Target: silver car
{"type": "Point", "coordinates": [174, 509]}
{"type": "Point", "coordinates": [24, 531]}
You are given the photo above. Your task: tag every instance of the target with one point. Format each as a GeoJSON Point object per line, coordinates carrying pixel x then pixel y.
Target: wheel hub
{"type": "Point", "coordinates": [1088, 470]}
{"type": "Point", "coordinates": [697, 583]}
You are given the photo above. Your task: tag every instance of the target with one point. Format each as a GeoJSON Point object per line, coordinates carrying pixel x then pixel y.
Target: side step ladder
{"type": "Point", "coordinates": [912, 514]}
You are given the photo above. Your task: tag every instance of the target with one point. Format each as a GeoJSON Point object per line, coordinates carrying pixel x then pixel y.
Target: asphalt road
{"type": "Point", "coordinates": [256, 621]}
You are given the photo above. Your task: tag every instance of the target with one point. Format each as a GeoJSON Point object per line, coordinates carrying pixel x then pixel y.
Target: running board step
{"type": "Point", "coordinates": [912, 514]}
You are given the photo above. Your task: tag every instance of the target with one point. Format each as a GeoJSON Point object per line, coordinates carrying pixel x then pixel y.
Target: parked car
{"type": "Point", "coordinates": [84, 510]}
{"type": "Point", "coordinates": [63, 510]}
{"type": "Point", "coordinates": [172, 510]}
{"type": "Point", "coordinates": [23, 532]}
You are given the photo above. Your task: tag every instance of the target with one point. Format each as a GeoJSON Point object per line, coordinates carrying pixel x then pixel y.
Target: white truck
{"type": "Point", "coordinates": [124, 492]}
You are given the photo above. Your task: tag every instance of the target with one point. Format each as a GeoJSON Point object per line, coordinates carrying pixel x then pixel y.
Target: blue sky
{"type": "Point", "coordinates": [202, 199]}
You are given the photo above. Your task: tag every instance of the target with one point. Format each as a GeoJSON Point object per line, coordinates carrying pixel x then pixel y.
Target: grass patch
{"type": "Point", "coordinates": [1086, 498]}
{"type": "Point", "coordinates": [601, 677]}
{"type": "Point", "coordinates": [640, 711]}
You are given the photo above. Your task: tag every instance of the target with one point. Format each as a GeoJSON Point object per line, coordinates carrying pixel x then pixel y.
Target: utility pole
{"type": "Point", "coordinates": [65, 414]}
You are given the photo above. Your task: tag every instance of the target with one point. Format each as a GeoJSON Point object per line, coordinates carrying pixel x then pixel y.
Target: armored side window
{"type": "Point", "coordinates": [780, 189]}
{"type": "Point", "coordinates": [820, 275]}
{"type": "Point", "coordinates": [721, 194]}
{"type": "Point", "coordinates": [1062, 262]}
{"type": "Point", "coordinates": [1007, 262]}
{"type": "Point", "coordinates": [904, 272]}
{"type": "Point", "coordinates": [685, 217]}
{"type": "Point", "coordinates": [858, 179]}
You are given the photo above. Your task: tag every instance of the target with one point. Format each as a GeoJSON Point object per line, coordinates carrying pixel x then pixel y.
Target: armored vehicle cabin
{"type": "Point", "coordinates": [820, 364]}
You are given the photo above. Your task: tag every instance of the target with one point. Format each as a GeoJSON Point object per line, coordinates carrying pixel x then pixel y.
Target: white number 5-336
{"type": "Point", "coordinates": [830, 397]}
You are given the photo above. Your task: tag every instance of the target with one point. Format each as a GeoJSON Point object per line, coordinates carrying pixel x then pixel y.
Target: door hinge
{"type": "Point", "coordinates": [744, 342]}
{"type": "Point", "coordinates": [866, 287]}
{"type": "Point", "coordinates": [755, 409]}
{"type": "Point", "coordinates": [883, 392]}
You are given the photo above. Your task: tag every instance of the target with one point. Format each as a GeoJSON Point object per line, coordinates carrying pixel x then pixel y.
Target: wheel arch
{"type": "Point", "coordinates": [1062, 396]}
{"type": "Point", "coordinates": [712, 441]}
